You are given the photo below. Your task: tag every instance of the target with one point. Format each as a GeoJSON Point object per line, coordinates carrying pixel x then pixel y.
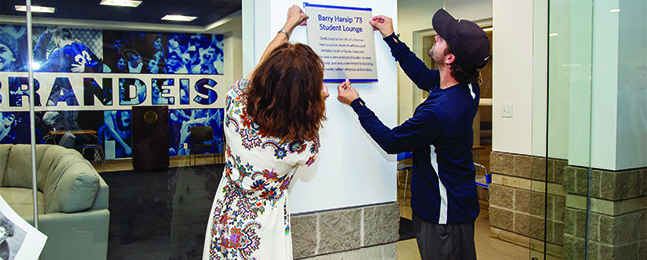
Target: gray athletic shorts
{"type": "Point", "coordinates": [444, 242]}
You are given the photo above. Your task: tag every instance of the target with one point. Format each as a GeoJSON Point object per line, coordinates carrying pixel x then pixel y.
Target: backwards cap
{"type": "Point", "coordinates": [467, 40]}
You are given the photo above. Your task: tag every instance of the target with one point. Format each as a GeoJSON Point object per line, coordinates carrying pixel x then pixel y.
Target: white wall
{"type": "Point", "coordinates": [351, 169]}
{"type": "Point", "coordinates": [473, 10]}
{"type": "Point", "coordinates": [539, 80]}
{"type": "Point", "coordinates": [512, 77]}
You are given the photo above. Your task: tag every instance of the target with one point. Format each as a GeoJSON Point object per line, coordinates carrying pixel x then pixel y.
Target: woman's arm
{"type": "Point", "coordinates": [295, 17]}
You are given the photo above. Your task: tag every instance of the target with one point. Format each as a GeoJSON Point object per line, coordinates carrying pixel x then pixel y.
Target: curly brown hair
{"type": "Point", "coordinates": [284, 96]}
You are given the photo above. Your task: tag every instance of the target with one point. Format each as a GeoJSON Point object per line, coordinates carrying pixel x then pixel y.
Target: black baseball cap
{"type": "Point", "coordinates": [467, 40]}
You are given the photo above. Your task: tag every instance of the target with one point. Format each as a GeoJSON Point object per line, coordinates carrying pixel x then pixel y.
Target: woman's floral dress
{"type": "Point", "coordinates": [249, 217]}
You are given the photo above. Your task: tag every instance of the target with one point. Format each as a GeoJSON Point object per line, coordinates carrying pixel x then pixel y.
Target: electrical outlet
{"type": "Point", "coordinates": [186, 146]}
{"type": "Point", "coordinates": [506, 110]}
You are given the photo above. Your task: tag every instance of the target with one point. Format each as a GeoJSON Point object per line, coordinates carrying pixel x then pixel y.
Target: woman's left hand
{"type": "Point", "coordinates": [324, 91]}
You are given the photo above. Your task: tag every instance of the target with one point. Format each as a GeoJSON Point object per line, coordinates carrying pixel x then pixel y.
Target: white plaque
{"type": "Point", "coordinates": [344, 40]}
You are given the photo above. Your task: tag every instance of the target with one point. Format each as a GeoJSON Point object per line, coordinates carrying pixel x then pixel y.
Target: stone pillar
{"type": "Point", "coordinates": [618, 220]}
{"type": "Point", "coordinates": [369, 232]}
{"type": "Point", "coordinates": [527, 202]}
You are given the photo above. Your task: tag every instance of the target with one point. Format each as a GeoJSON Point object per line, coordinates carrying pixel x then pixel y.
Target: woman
{"type": "Point", "coordinates": [272, 118]}
{"type": "Point", "coordinates": [9, 60]}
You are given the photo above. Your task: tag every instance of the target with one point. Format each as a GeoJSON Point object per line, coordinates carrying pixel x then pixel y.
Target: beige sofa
{"type": "Point", "coordinates": [72, 199]}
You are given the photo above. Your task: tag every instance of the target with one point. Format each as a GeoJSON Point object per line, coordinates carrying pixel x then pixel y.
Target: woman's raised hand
{"type": "Point", "coordinates": [297, 16]}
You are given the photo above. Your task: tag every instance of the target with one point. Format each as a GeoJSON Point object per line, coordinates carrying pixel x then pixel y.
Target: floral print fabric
{"type": "Point", "coordinates": [249, 216]}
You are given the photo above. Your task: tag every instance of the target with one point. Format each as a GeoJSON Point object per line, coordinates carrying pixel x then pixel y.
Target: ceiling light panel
{"type": "Point", "coordinates": [36, 9]}
{"type": "Point", "coordinates": [122, 3]}
{"type": "Point", "coordinates": [180, 18]}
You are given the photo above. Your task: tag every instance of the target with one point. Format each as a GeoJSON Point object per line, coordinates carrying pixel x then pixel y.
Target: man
{"type": "Point", "coordinates": [443, 190]}
{"type": "Point", "coordinates": [71, 56]}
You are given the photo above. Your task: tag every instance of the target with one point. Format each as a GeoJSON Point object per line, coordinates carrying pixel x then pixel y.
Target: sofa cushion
{"type": "Point", "coordinates": [75, 190]}
{"type": "Point", "coordinates": [69, 182]}
{"type": "Point", "coordinates": [18, 170]}
{"type": "Point", "coordinates": [22, 202]}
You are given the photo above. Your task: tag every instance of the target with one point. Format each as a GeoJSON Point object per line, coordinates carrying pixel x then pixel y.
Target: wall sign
{"type": "Point", "coordinates": [344, 40]}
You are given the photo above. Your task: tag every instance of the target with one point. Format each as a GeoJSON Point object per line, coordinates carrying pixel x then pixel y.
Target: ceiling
{"type": "Point", "coordinates": [150, 11]}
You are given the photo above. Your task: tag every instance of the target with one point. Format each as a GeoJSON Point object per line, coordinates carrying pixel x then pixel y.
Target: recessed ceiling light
{"type": "Point", "coordinates": [180, 18]}
{"type": "Point", "coordinates": [36, 9]}
{"type": "Point", "coordinates": [615, 10]}
{"type": "Point", "coordinates": [122, 3]}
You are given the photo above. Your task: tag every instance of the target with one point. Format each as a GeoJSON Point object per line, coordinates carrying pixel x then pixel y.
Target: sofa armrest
{"type": "Point", "coordinates": [101, 201]}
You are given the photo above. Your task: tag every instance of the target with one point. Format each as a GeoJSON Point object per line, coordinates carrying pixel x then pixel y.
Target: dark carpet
{"type": "Point", "coordinates": [163, 214]}
{"type": "Point", "coordinates": [160, 214]}
{"type": "Point", "coordinates": [406, 229]}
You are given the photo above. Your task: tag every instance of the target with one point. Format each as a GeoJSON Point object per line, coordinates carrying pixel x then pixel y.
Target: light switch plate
{"type": "Point", "coordinates": [506, 110]}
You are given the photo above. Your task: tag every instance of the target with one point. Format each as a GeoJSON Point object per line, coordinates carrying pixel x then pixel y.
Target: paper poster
{"type": "Point", "coordinates": [344, 40]}
{"type": "Point", "coordinates": [18, 239]}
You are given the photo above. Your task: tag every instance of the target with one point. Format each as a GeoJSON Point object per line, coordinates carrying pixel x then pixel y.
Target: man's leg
{"type": "Point", "coordinates": [444, 242]}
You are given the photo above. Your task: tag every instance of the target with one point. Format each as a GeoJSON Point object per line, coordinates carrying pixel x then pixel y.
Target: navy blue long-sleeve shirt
{"type": "Point", "coordinates": [439, 133]}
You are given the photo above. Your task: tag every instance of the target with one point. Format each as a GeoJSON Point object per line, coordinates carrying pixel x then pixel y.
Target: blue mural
{"type": "Point", "coordinates": [71, 101]}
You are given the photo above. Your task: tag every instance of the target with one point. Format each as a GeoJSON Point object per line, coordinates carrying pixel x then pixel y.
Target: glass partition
{"type": "Point", "coordinates": [596, 126]}
{"type": "Point", "coordinates": [127, 127]}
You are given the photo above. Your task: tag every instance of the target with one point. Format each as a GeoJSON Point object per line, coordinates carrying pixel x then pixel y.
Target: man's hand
{"type": "Point", "coordinates": [382, 23]}
{"type": "Point", "coordinates": [346, 93]}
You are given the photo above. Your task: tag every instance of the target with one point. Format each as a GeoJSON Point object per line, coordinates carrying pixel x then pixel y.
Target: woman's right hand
{"type": "Point", "coordinates": [296, 16]}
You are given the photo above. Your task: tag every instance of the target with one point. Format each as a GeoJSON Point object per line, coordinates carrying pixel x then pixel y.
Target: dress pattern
{"type": "Point", "coordinates": [249, 217]}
